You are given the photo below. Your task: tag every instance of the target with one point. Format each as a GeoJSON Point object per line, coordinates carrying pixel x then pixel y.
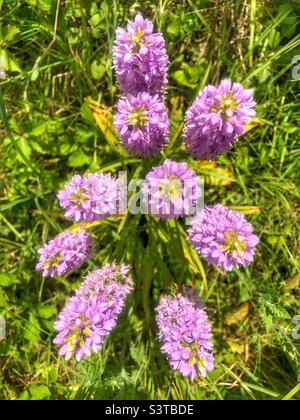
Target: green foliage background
{"type": "Point", "coordinates": [57, 57]}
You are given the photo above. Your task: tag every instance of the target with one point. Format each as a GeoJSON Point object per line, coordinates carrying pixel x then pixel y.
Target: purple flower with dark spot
{"type": "Point", "coordinates": [171, 190]}
{"type": "Point", "coordinates": [63, 254]}
{"type": "Point", "coordinates": [185, 333]}
{"type": "Point", "coordinates": [90, 198]}
{"type": "Point", "coordinates": [143, 124]}
{"type": "Point", "coordinates": [140, 58]}
{"type": "Point", "coordinates": [217, 118]}
{"type": "Point", "coordinates": [91, 314]}
{"type": "Point", "coordinates": [223, 237]}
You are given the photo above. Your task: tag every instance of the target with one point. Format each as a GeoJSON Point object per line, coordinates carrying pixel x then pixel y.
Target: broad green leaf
{"type": "Point", "coordinates": [8, 33]}
{"type": "Point", "coordinates": [98, 70]}
{"type": "Point", "coordinates": [46, 311]}
{"type": "Point", "coordinates": [274, 38]}
{"type": "Point", "coordinates": [174, 27]}
{"type": "Point", "coordinates": [24, 396]}
{"type": "Point", "coordinates": [8, 62]}
{"type": "Point", "coordinates": [32, 330]}
{"type": "Point", "coordinates": [78, 159]}
{"type": "Point", "coordinates": [34, 75]}
{"type": "Point", "coordinates": [39, 392]}
{"type": "Point", "coordinates": [67, 146]}
{"type": "Point", "coordinates": [7, 279]}
{"type": "Point", "coordinates": [181, 77]}
{"type": "Point", "coordinates": [24, 146]}
{"type": "Point", "coordinates": [288, 26]}
{"type": "Point", "coordinates": [42, 5]}
{"type": "Point", "coordinates": [190, 75]}
{"type": "Point", "coordinates": [264, 74]}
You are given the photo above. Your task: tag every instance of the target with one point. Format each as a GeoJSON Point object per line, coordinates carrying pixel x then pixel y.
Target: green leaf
{"type": "Point", "coordinates": [97, 70]}
{"type": "Point", "coordinates": [24, 146]}
{"type": "Point", "coordinates": [67, 146]}
{"type": "Point", "coordinates": [274, 39]}
{"type": "Point", "coordinates": [173, 28]}
{"type": "Point", "coordinates": [38, 147]}
{"type": "Point", "coordinates": [13, 203]}
{"type": "Point", "coordinates": [46, 311]}
{"type": "Point", "coordinates": [34, 75]}
{"type": "Point", "coordinates": [32, 330]}
{"type": "Point", "coordinates": [264, 74]}
{"type": "Point", "coordinates": [7, 279]}
{"type": "Point", "coordinates": [181, 77]}
{"type": "Point", "coordinates": [190, 75]}
{"type": "Point", "coordinates": [39, 392]}
{"type": "Point", "coordinates": [82, 135]}
{"type": "Point", "coordinates": [42, 5]}
{"type": "Point", "coordinates": [289, 24]}
{"type": "Point", "coordinates": [39, 128]}
{"type": "Point", "coordinates": [8, 33]}
{"type": "Point", "coordinates": [3, 300]}
{"type": "Point", "coordinates": [8, 62]}
{"type": "Point", "coordinates": [86, 113]}
{"type": "Point", "coordinates": [78, 158]}
{"type": "Point", "coordinates": [136, 354]}
{"type": "Point", "coordinates": [24, 396]}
